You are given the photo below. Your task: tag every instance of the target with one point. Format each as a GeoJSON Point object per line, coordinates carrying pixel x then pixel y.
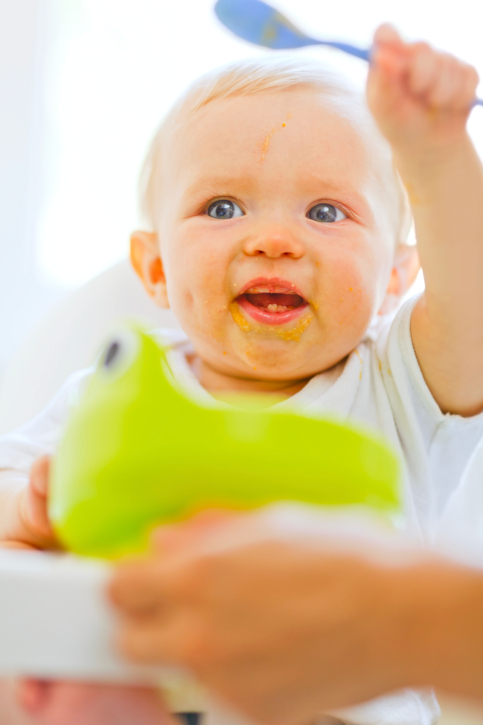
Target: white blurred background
{"type": "Point", "coordinates": [83, 85]}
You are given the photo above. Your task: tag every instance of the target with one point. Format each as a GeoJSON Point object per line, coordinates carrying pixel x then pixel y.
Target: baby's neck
{"type": "Point", "coordinates": [221, 385]}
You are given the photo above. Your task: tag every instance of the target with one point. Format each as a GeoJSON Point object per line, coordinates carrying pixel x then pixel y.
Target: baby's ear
{"type": "Point", "coordinates": [404, 271]}
{"type": "Point", "coordinates": [147, 263]}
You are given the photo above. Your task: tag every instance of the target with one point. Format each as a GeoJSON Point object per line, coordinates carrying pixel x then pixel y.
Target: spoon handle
{"type": "Point", "coordinates": [363, 54]}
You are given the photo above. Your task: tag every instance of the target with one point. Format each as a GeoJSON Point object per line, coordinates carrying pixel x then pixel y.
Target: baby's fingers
{"type": "Point", "coordinates": [39, 476]}
{"type": "Point", "coordinates": [446, 87]}
{"type": "Point", "coordinates": [469, 84]}
{"type": "Point", "coordinates": [386, 36]}
{"type": "Point", "coordinates": [423, 69]}
{"type": "Point", "coordinates": [34, 505]}
{"type": "Point", "coordinates": [440, 79]}
{"type": "Point", "coordinates": [389, 52]}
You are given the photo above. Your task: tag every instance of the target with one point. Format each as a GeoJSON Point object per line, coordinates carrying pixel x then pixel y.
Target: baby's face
{"type": "Point", "coordinates": [275, 235]}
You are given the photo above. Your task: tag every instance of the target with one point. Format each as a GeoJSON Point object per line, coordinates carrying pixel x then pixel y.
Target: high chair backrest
{"type": "Point", "coordinates": [68, 339]}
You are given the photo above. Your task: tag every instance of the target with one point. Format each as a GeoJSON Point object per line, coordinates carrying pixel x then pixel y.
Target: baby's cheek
{"type": "Point", "coordinates": [352, 305]}
{"type": "Point", "coordinates": [182, 282]}
{"type": "Point", "coordinates": [199, 305]}
{"type": "Point", "coordinates": [352, 302]}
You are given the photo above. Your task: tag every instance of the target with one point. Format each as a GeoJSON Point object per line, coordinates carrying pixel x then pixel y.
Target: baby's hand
{"type": "Point", "coordinates": [420, 97]}
{"type": "Point", "coordinates": [25, 522]}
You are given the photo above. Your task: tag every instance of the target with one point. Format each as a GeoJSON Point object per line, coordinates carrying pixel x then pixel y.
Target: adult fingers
{"type": "Point", "coordinates": [175, 537]}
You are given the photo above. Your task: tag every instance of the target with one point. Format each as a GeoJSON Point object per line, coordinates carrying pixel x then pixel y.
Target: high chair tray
{"type": "Point", "coordinates": [55, 620]}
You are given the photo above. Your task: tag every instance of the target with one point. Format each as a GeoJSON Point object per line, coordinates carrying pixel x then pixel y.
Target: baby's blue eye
{"type": "Point", "coordinates": [224, 209]}
{"type": "Point", "coordinates": [326, 213]}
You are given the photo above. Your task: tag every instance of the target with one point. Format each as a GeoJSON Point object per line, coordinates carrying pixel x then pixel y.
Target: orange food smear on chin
{"type": "Point", "coordinates": [238, 317]}
{"type": "Point", "coordinates": [293, 333]}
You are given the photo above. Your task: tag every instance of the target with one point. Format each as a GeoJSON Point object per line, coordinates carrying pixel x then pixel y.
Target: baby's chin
{"type": "Point", "coordinates": [263, 352]}
{"type": "Point", "coordinates": [272, 357]}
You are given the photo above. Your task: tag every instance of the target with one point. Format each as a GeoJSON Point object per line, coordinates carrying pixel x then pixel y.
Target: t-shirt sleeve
{"type": "Point", "coordinates": [39, 436]}
{"type": "Point", "coordinates": [439, 443]}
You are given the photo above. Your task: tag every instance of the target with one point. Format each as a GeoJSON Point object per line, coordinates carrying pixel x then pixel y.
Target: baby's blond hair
{"type": "Point", "coordinates": [273, 74]}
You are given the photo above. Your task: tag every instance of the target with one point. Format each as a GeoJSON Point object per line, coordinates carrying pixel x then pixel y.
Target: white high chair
{"type": "Point", "coordinates": [68, 338]}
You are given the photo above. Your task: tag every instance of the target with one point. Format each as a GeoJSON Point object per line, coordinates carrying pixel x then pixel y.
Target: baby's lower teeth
{"type": "Point", "coordinates": [277, 308]}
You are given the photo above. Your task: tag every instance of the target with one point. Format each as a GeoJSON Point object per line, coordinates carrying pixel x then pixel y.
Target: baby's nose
{"type": "Point", "coordinates": [274, 242]}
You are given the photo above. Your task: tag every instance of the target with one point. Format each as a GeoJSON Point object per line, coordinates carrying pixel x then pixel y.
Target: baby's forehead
{"type": "Point", "coordinates": [303, 123]}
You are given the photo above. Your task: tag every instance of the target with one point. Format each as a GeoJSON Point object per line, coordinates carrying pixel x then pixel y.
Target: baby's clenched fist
{"type": "Point", "coordinates": [420, 97]}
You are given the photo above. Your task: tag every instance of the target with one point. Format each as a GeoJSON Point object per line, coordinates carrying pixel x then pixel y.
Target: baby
{"type": "Point", "coordinates": [277, 205]}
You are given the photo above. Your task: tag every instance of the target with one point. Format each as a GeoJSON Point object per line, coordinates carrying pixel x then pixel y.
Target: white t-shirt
{"type": "Point", "coordinates": [381, 385]}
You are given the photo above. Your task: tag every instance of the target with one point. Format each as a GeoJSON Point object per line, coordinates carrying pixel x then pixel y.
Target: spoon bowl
{"type": "Point", "coordinates": [259, 23]}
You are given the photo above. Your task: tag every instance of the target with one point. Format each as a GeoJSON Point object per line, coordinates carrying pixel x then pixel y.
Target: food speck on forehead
{"type": "Point", "coordinates": [268, 137]}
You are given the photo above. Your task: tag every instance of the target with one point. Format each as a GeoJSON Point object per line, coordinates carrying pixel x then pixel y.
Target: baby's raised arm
{"type": "Point", "coordinates": [24, 523]}
{"type": "Point", "coordinates": [421, 100]}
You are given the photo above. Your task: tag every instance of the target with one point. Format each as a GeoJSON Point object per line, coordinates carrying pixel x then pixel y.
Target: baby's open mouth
{"type": "Point", "coordinates": [272, 304]}
{"type": "Point", "coordinates": [276, 300]}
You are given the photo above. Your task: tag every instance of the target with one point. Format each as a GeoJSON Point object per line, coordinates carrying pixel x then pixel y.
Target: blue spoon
{"type": "Point", "coordinates": [257, 22]}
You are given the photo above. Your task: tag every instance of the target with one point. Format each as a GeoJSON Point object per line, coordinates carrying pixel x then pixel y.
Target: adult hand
{"type": "Point", "coordinates": [285, 628]}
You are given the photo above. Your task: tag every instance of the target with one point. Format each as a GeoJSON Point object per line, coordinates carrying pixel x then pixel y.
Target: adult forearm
{"type": "Point", "coordinates": [437, 626]}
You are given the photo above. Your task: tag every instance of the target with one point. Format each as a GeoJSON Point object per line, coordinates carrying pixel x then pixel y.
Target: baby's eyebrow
{"type": "Point", "coordinates": [215, 184]}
